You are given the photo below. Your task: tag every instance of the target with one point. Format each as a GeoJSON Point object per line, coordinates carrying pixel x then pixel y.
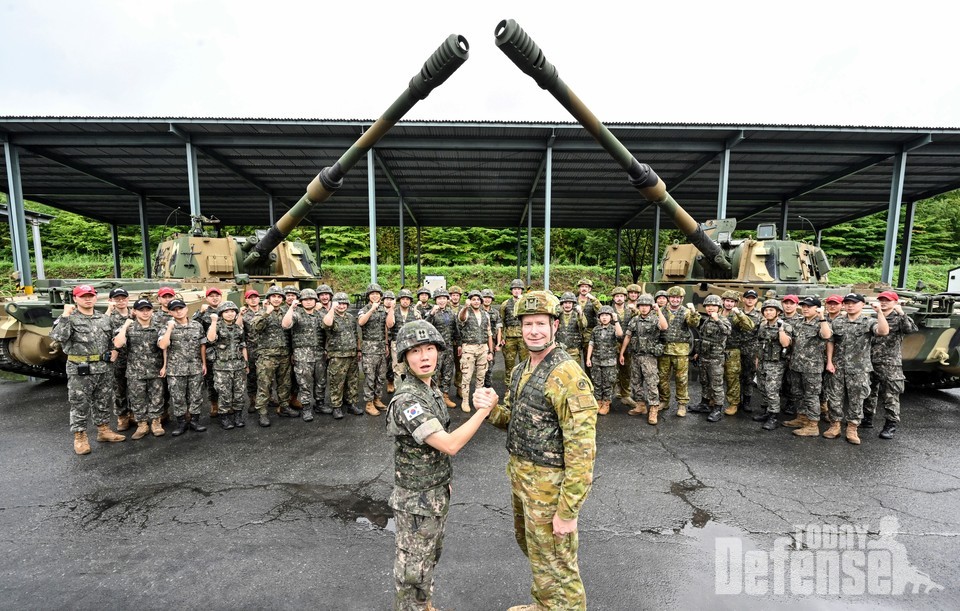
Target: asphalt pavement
{"type": "Point", "coordinates": [685, 515]}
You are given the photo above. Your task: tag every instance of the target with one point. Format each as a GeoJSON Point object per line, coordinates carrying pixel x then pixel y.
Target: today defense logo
{"type": "Point", "coordinates": [822, 559]}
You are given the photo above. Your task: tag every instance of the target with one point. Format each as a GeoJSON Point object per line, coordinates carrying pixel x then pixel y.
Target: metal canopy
{"type": "Point", "coordinates": [471, 173]}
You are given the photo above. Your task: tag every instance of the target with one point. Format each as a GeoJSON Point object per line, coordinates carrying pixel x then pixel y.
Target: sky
{"type": "Point", "coordinates": [825, 63]}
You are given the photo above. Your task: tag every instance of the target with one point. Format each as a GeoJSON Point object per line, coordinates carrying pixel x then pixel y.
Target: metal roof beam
{"type": "Point", "coordinates": [186, 137]}
{"type": "Point", "coordinates": [396, 187]}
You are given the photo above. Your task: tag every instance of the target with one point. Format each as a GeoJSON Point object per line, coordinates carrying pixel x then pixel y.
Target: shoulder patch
{"type": "Point", "coordinates": [413, 411]}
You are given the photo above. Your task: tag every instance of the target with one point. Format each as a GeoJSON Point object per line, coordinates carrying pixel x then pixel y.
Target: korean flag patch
{"type": "Point", "coordinates": [413, 411]}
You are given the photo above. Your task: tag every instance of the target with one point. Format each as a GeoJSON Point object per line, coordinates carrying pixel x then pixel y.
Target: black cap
{"type": "Point", "coordinates": [141, 304]}
{"type": "Point", "coordinates": [854, 297]}
{"type": "Point", "coordinates": [810, 300]}
{"type": "Point", "coordinates": [751, 293]}
{"type": "Point", "coordinates": [176, 303]}
{"type": "Point", "coordinates": [119, 292]}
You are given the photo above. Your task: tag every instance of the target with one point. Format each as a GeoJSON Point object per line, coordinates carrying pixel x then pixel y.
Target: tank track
{"type": "Point", "coordinates": [8, 363]}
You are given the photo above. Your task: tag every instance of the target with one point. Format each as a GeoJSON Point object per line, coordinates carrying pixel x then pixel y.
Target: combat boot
{"type": "Point", "coordinates": [797, 422]}
{"type": "Point", "coordinates": [448, 401]}
{"type": "Point", "coordinates": [652, 414]}
{"type": "Point", "coordinates": [307, 414]}
{"type": "Point", "coordinates": [731, 410]}
{"type": "Point", "coordinates": [123, 422]}
{"type": "Point", "coordinates": [701, 408]}
{"type": "Point", "coordinates": [252, 408]}
{"type": "Point", "coordinates": [142, 429]}
{"type": "Point", "coordinates": [465, 405]}
{"type": "Point", "coordinates": [105, 434]}
{"type": "Point", "coordinates": [264, 420]}
{"type": "Point", "coordinates": [770, 422]}
{"type": "Point", "coordinates": [889, 428]}
{"type": "Point", "coordinates": [639, 409]}
{"type": "Point", "coordinates": [226, 422]}
{"type": "Point", "coordinates": [626, 400]}
{"type": "Point", "coordinates": [379, 404]}
{"type": "Point", "coordinates": [287, 412]}
{"type": "Point", "coordinates": [238, 419]}
{"type": "Point", "coordinates": [716, 414]}
{"type": "Point", "coordinates": [371, 409]}
{"type": "Point", "coordinates": [337, 413]}
{"type": "Point", "coordinates": [356, 410]}
{"type": "Point", "coordinates": [865, 423]}
{"type": "Point", "coordinates": [325, 409]}
{"type": "Point", "coordinates": [852, 435]}
{"type": "Point", "coordinates": [391, 388]}
{"type": "Point", "coordinates": [604, 407]}
{"type": "Point", "coordinates": [760, 416]}
{"type": "Point", "coordinates": [81, 445]}
{"type": "Point", "coordinates": [834, 431]}
{"type": "Point", "coordinates": [681, 410]}
{"type": "Point", "coordinates": [193, 423]}
{"type": "Point", "coordinates": [214, 408]}
{"type": "Point", "coordinates": [810, 429]}
{"type": "Point", "coordinates": [295, 402]}
{"type": "Point", "coordinates": [180, 428]}
{"type": "Point", "coordinates": [156, 428]}
{"type": "Point", "coordinates": [824, 408]}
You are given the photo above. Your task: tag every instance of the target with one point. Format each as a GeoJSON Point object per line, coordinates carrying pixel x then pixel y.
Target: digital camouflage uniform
{"type": "Point", "coordinates": [445, 321]}
{"type": "Point", "coordinates": [473, 339]}
{"type": "Point", "coordinates": [273, 357]}
{"type": "Point", "coordinates": [675, 362]}
{"type": "Point", "coordinates": [603, 360]}
{"type": "Point", "coordinates": [252, 354]}
{"type": "Point", "coordinates": [550, 415]}
{"type": "Point", "coordinates": [831, 393]}
{"type": "Point", "coordinates": [624, 315]}
{"type": "Point", "coordinates": [185, 369]}
{"type": "Point", "coordinates": [229, 370]}
{"type": "Point", "coordinates": [421, 493]}
{"type": "Point", "coordinates": [643, 339]}
{"type": "Point", "coordinates": [570, 332]}
{"type": "Point", "coordinates": [713, 339]}
{"type": "Point", "coordinates": [590, 309]}
{"type": "Point", "coordinates": [309, 364]}
{"type": "Point", "coordinates": [771, 363]}
{"type": "Point", "coordinates": [887, 381]}
{"type": "Point", "coordinates": [514, 350]}
{"type": "Point", "coordinates": [399, 319]}
{"type": "Point", "coordinates": [121, 404]}
{"type": "Point", "coordinates": [204, 319]}
{"type": "Point", "coordinates": [743, 329]}
{"type": "Point", "coordinates": [144, 361]}
{"type": "Point", "coordinates": [85, 339]}
{"type": "Point", "coordinates": [496, 325]}
{"type": "Point", "coordinates": [792, 381]}
{"type": "Point", "coordinates": [808, 360]}
{"type": "Point", "coordinates": [748, 357]}
{"type": "Point", "coordinates": [374, 348]}
{"type": "Point", "coordinates": [343, 372]}
{"type": "Point", "coordinates": [852, 359]}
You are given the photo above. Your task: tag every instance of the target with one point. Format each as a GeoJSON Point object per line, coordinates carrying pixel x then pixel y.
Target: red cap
{"type": "Point", "coordinates": [834, 299]}
{"type": "Point", "coordinates": [251, 293]}
{"type": "Point", "coordinates": [792, 298]}
{"type": "Point", "coordinates": [166, 290]}
{"type": "Point", "coordinates": [889, 295]}
{"type": "Point", "coordinates": [84, 289]}
{"type": "Point", "coordinates": [214, 289]}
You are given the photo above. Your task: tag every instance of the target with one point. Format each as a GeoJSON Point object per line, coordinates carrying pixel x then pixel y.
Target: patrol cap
{"type": "Point", "coordinates": [176, 304]}
{"type": "Point", "coordinates": [251, 293]}
{"type": "Point", "coordinates": [166, 291]}
{"type": "Point", "coordinates": [792, 298]}
{"type": "Point", "coordinates": [83, 289]}
{"type": "Point", "coordinates": [889, 295]}
{"type": "Point", "coordinates": [214, 289]}
{"type": "Point", "coordinates": [751, 293]}
{"type": "Point", "coordinates": [834, 299]}
{"type": "Point", "coordinates": [118, 292]}
{"type": "Point", "coordinates": [853, 297]}
{"type": "Point", "coordinates": [810, 300]}
{"type": "Point", "coordinates": [341, 298]}
{"type": "Point", "coordinates": [142, 304]}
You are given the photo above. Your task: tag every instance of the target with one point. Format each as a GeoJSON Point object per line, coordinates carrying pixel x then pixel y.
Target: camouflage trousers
{"type": "Point", "coordinates": [272, 369]}
{"type": "Point", "coordinates": [583, 353]}
{"type": "Point", "coordinates": [553, 560]}
{"type": "Point", "coordinates": [445, 369]}
{"type": "Point", "coordinates": [854, 387]}
{"type": "Point", "coordinates": [831, 394]}
{"type": "Point", "coordinates": [792, 389]}
{"type": "Point", "coordinates": [810, 386]}
{"type": "Point", "coordinates": [711, 381]}
{"type": "Point", "coordinates": [885, 390]}
{"type": "Point", "coordinates": [311, 380]}
{"type": "Point", "coordinates": [770, 381]}
{"type": "Point", "coordinates": [731, 375]}
{"type": "Point", "coordinates": [458, 371]}
{"type": "Point", "coordinates": [231, 386]}
{"type": "Point", "coordinates": [645, 379]}
{"type": "Point", "coordinates": [748, 371]}
{"type": "Point", "coordinates": [374, 375]}
{"type": "Point", "coordinates": [603, 378]}
{"type": "Point", "coordinates": [90, 395]}
{"type": "Point", "coordinates": [252, 374]}
{"type": "Point", "coordinates": [623, 376]}
{"type": "Point", "coordinates": [186, 394]}
{"type": "Point", "coordinates": [121, 404]}
{"type": "Point", "coordinates": [208, 381]}
{"type": "Point", "coordinates": [473, 363]}
{"type": "Point", "coordinates": [145, 397]}
{"type": "Point", "coordinates": [514, 351]}
{"type": "Point", "coordinates": [343, 375]}
{"type": "Point", "coordinates": [400, 367]}
{"type": "Point", "coordinates": [419, 544]}
{"type": "Point", "coordinates": [670, 366]}
{"type": "Point", "coordinates": [574, 354]}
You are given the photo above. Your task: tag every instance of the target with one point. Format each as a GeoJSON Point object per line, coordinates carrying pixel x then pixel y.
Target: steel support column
{"type": "Point", "coordinates": [419, 275]}
{"type": "Point", "coordinates": [548, 192]}
{"type": "Point", "coordinates": [529, 241]}
{"type": "Point", "coordinates": [905, 244]}
{"type": "Point", "coordinates": [17, 218]}
{"type": "Point", "coordinates": [656, 246]}
{"type": "Point", "coordinates": [115, 248]}
{"type": "Point", "coordinates": [724, 184]}
{"type": "Point", "coordinates": [372, 213]}
{"type": "Point", "coordinates": [273, 220]}
{"type": "Point", "coordinates": [316, 243]}
{"type": "Point", "coordinates": [784, 215]}
{"type": "Point", "coordinates": [193, 180]}
{"type": "Point", "coordinates": [37, 249]}
{"type": "Point", "coordinates": [518, 251]}
{"type": "Point", "coordinates": [403, 264]}
{"type": "Point", "coordinates": [616, 273]}
{"type": "Point", "coordinates": [145, 237]}
{"type": "Point", "coordinates": [893, 216]}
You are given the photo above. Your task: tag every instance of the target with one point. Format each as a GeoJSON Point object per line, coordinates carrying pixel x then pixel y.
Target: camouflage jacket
{"type": "Point", "coordinates": [272, 338]}
{"type": "Point", "coordinates": [117, 320]}
{"type": "Point", "coordinates": [472, 330]}
{"type": "Point", "coordinates": [851, 341]}
{"type": "Point", "coordinates": [749, 341]}
{"type": "Point", "coordinates": [511, 324]}
{"type": "Point", "coordinates": [183, 354]}
{"type": "Point", "coordinates": [422, 474]}
{"type": "Point", "coordinates": [82, 335]}
{"type": "Point", "coordinates": [743, 329]}
{"type": "Point", "coordinates": [676, 338]}
{"type": "Point", "coordinates": [768, 341]}
{"type": "Point", "coordinates": [343, 336]}
{"type": "Point", "coordinates": [445, 321]}
{"type": "Point", "coordinates": [606, 346]}
{"type": "Point", "coordinates": [495, 321]}
{"type": "Point", "coordinates": [713, 337]}
{"type": "Point", "coordinates": [564, 391]}
{"type": "Point", "coordinates": [643, 334]}
{"type": "Point", "coordinates": [573, 325]}
{"type": "Point", "coordinates": [230, 344]}
{"type": "Point", "coordinates": [809, 349]}
{"type": "Point", "coordinates": [248, 316]}
{"type": "Point", "coordinates": [374, 333]}
{"type": "Point", "coordinates": [590, 308]}
{"type": "Point", "coordinates": [204, 319]}
{"type": "Point", "coordinates": [161, 318]}
{"type": "Point", "coordinates": [144, 356]}
{"type": "Point", "coordinates": [887, 350]}
{"type": "Point", "coordinates": [424, 309]}
{"type": "Point", "coordinates": [400, 318]}
{"type": "Point", "coordinates": [305, 335]}
{"type": "Point", "coordinates": [624, 315]}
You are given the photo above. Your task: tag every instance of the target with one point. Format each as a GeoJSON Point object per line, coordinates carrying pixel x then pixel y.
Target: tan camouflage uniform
{"type": "Point", "coordinates": [675, 362]}
{"type": "Point", "coordinates": [514, 350]}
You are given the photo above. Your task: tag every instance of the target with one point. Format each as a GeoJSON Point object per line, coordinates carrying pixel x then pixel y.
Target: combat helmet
{"type": "Point", "coordinates": [537, 302]}
{"type": "Point", "coordinates": [731, 295]}
{"type": "Point", "coordinates": [618, 290]}
{"type": "Point", "coordinates": [324, 288]}
{"type": "Point", "coordinates": [422, 290]}
{"type": "Point", "coordinates": [486, 293]}
{"type": "Point", "coordinates": [516, 283]}
{"type": "Point", "coordinates": [713, 300]}
{"type": "Point", "coordinates": [373, 287]}
{"type": "Point", "coordinates": [275, 290]}
{"type": "Point", "coordinates": [661, 293]}
{"type": "Point", "coordinates": [441, 292]}
{"type": "Point", "coordinates": [772, 303]}
{"type": "Point", "coordinates": [341, 298]}
{"type": "Point", "coordinates": [456, 289]}
{"type": "Point", "coordinates": [583, 281]}
{"type": "Point", "coordinates": [405, 293]}
{"type": "Point", "coordinates": [607, 310]}
{"type": "Point", "coordinates": [389, 295]}
{"type": "Point", "coordinates": [227, 305]}
{"type": "Point", "coordinates": [474, 293]}
{"type": "Point", "coordinates": [415, 333]}
{"type": "Point", "coordinates": [645, 299]}
{"type": "Point", "coordinates": [568, 296]}
{"type": "Point", "coordinates": [676, 291]}
{"type": "Point", "coordinates": [287, 290]}
{"type": "Point", "coordinates": [308, 294]}
{"type": "Point", "coordinates": [633, 288]}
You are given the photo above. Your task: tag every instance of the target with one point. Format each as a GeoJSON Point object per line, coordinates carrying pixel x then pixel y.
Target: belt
{"type": "Point", "coordinates": [76, 358]}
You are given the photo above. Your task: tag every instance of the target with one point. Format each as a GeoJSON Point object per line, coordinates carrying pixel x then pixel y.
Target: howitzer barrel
{"type": "Point", "coordinates": [524, 52]}
{"type": "Point", "coordinates": [437, 69]}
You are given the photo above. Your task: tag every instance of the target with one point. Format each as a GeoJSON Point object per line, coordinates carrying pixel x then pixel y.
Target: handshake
{"type": "Point", "coordinates": [485, 398]}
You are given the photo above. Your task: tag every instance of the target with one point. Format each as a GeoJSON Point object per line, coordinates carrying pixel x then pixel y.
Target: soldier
{"type": "Point", "coordinates": [396, 319]}
{"type": "Point", "coordinates": [513, 348]}
{"type": "Point", "coordinates": [742, 329]}
{"type": "Point", "coordinates": [675, 362]}
{"type": "Point", "coordinates": [573, 325]}
{"type": "Point", "coordinates": [164, 295]}
{"type": "Point", "coordinates": [714, 331]}
{"type": "Point", "coordinates": [230, 368]}
{"type": "Point", "coordinates": [290, 295]}
{"type": "Point", "coordinates": [633, 294]}
{"type": "Point", "coordinates": [84, 335]}
{"type": "Point", "coordinates": [251, 307]}
{"type": "Point", "coordinates": [390, 302]}
{"type": "Point", "coordinates": [496, 327]}
{"type": "Point", "coordinates": [661, 299]}
{"type": "Point", "coordinates": [623, 369]}
{"type": "Point", "coordinates": [273, 356]}
{"type": "Point", "coordinates": [214, 297]}
{"type": "Point", "coordinates": [831, 390]}
{"type": "Point", "coordinates": [590, 306]}
{"type": "Point", "coordinates": [137, 341]}
{"type": "Point", "coordinates": [476, 346]}
{"type": "Point", "coordinates": [343, 356]}
{"type": "Point", "coordinates": [185, 345]}
{"type": "Point", "coordinates": [773, 338]}
{"type": "Point", "coordinates": [444, 319]}
{"type": "Point", "coordinates": [808, 361]}
{"type": "Point", "coordinates": [119, 312]}
{"type": "Point", "coordinates": [748, 350]}
{"type": "Point", "coordinates": [852, 363]}
{"type": "Point", "coordinates": [550, 415]}
{"type": "Point", "coordinates": [324, 296]}
{"type": "Point", "coordinates": [373, 331]}
{"type": "Point", "coordinates": [305, 322]}
{"type": "Point", "coordinates": [642, 337]}
{"type": "Point", "coordinates": [791, 380]}
{"type": "Point", "coordinates": [423, 301]}
{"type": "Point", "coordinates": [887, 358]}
{"type": "Point", "coordinates": [419, 422]}
{"type": "Point", "coordinates": [604, 341]}
{"type": "Point", "coordinates": [456, 293]}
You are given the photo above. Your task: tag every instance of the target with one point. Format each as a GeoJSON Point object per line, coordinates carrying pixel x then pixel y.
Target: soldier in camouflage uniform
{"type": "Point", "coordinates": [186, 365]}
{"type": "Point", "coordinates": [291, 294]}
{"type": "Point", "coordinates": [230, 369]}
{"type": "Point", "coordinates": [550, 415]}
{"type": "Point", "coordinates": [444, 319]}
{"type": "Point", "coordinates": [748, 350]}
{"type": "Point", "coordinates": [496, 328]}
{"type": "Point", "coordinates": [419, 421]}
{"type": "Point", "coordinates": [808, 361]}
{"type": "Point", "coordinates": [85, 336]}
{"type": "Point", "coordinates": [792, 389]}
{"type": "Point", "coordinates": [602, 353]}
{"type": "Point", "coordinates": [661, 299]}
{"type": "Point", "coordinates": [773, 338]}
{"type": "Point", "coordinates": [590, 306]}
{"type": "Point", "coordinates": [162, 316]}
{"type": "Point", "coordinates": [513, 349]}
{"type": "Point", "coordinates": [476, 346]}
{"type": "Point", "coordinates": [390, 303]}
{"type": "Point", "coordinates": [642, 338]}
{"type": "Point", "coordinates": [456, 293]}
{"type": "Point", "coordinates": [273, 356]}
{"type": "Point", "coordinates": [887, 357]}
{"type": "Point", "coordinates": [714, 331]}
{"type": "Point", "coordinates": [397, 317]}
{"type": "Point", "coordinates": [675, 362]}
{"type": "Point", "coordinates": [251, 307]}
{"type": "Point", "coordinates": [343, 355]}
{"type": "Point", "coordinates": [137, 342]}
{"type": "Point", "coordinates": [373, 330]}
{"type": "Point", "coordinates": [423, 301]}
{"type": "Point", "coordinates": [119, 312]}
{"type": "Point", "coordinates": [624, 312]}
{"type": "Point", "coordinates": [742, 331]}
{"type": "Point", "coordinates": [852, 362]}
{"type": "Point", "coordinates": [633, 295]}
{"type": "Point", "coordinates": [573, 325]}
{"type": "Point", "coordinates": [324, 296]}
{"type": "Point", "coordinates": [210, 306]}
{"type": "Point", "coordinates": [831, 395]}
